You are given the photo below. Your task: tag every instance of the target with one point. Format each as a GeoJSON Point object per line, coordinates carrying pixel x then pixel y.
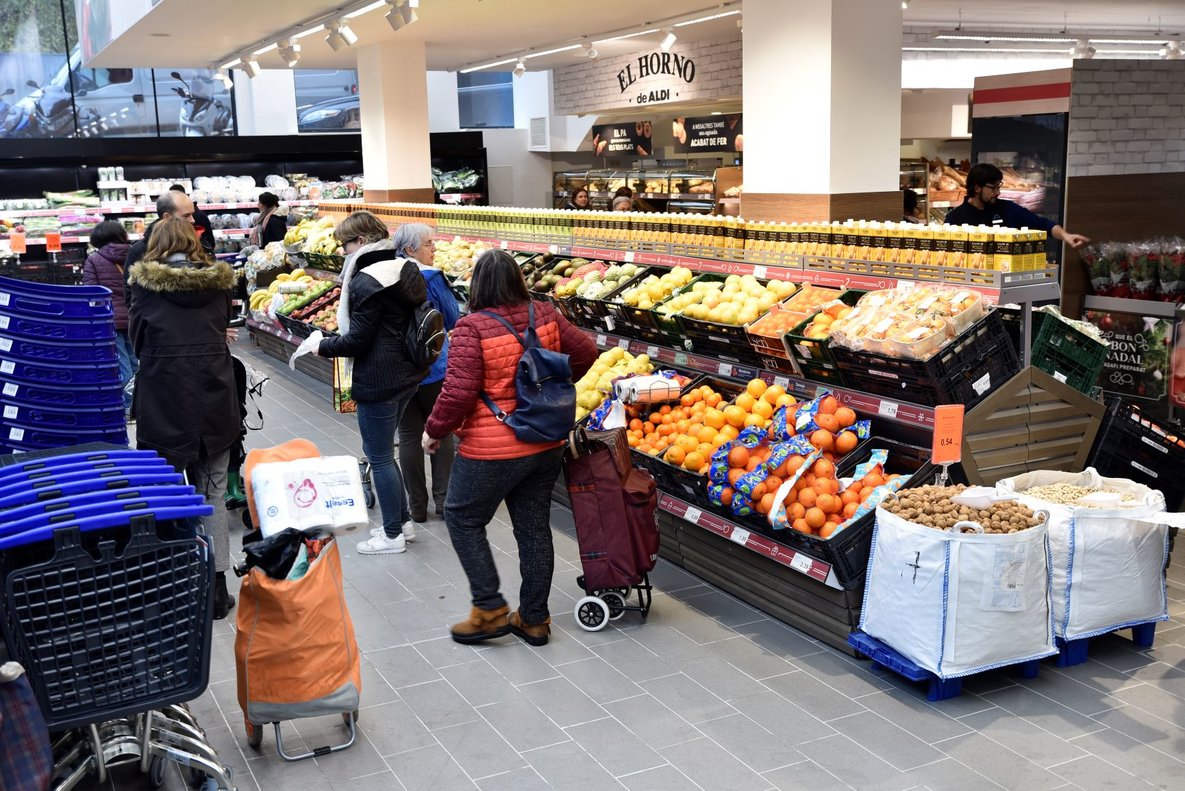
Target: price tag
{"type": "Point", "coordinates": [610, 324]}
{"type": "Point", "coordinates": [5, 344]}
{"type": "Point", "coordinates": [7, 367]}
{"type": "Point", "coordinates": [504, 244]}
{"type": "Point", "coordinates": [602, 340]}
{"type": "Point", "coordinates": [553, 248]}
{"type": "Point", "coordinates": [680, 358]}
{"type": "Point", "coordinates": [802, 563]}
{"type": "Point", "coordinates": [724, 369]}
{"type": "Point", "coordinates": [623, 343]}
{"type": "Point", "coordinates": [739, 535]}
{"type": "Point", "coordinates": [629, 256]}
{"type": "Point", "coordinates": [10, 412]}
{"type": "Point", "coordinates": [887, 409]}
{"type": "Point", "coordinates": [4, 322]}
{"type": "Point", "coordinates": [10, 389]}
{"type": "Point", "coordinates": [948, 434]}
{"type": "Point", "coordinates": [652, 351]}
{"type": "Point", "coordinates": [17, 434]}
{"type": "Point", "coordinates": [53, 243]}
{"type": "Point", "coordinates": [760, 272]}
{"type": "Point", "coordinates": [5, 297]}
{"type": "Point", "coordinates": [17, 243]}
{"type": "Point", "coordinates": [782, 381]}
{"type": "Point", "coordinates": [693, 514]}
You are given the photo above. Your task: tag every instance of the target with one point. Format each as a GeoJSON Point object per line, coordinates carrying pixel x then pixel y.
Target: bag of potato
{"type": "Point", "coordinates": [955, 588]}
{"type": "Point", "coordinates": [1108, 548]}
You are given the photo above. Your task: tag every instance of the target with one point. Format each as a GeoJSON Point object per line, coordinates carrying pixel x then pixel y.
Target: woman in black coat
{"type": "Point", "coordinates": [184, 401]}
{"type": "Point", "coordinates": [380, 292]}
{"type": "Point", "coordinates": [269, 227]}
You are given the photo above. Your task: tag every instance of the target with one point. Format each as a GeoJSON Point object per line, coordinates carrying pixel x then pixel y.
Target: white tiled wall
{"type": "Point", "coordinates": [1127, 117]}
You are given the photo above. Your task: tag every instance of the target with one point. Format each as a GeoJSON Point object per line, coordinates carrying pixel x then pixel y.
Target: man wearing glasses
{"type": "Point", "coordinates": [984, 206]}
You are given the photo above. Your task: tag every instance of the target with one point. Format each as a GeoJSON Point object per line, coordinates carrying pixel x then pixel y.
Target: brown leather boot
{"type": "Point", "coordinates": [535, 634]}
{"type": "Point", "coordinates": [482, 625]}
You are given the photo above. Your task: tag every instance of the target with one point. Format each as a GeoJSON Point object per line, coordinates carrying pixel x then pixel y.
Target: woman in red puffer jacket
{"type": "Point", "coordinates": [104, 267]}
{"type": "Point", "coordinates": [492, 465]}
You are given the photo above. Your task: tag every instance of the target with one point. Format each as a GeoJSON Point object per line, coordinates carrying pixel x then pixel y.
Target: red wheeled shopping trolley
{"type": "Point", "coordinates": [613, 506]}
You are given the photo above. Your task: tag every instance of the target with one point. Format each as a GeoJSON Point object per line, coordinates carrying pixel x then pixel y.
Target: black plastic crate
{"type": "Point", "coordinates": [848, 550]}
{"type": "Point", "coordinates": [1066, 353]}
{"type": "Point", "coordinates": [113, 622]}
{"type": "Point", "coordinates": [825, 373]}
{"type": "Point", "coordinates": [1130, 445]}
{"type": "Point", "coordinates": [735, 352]}
{"type": "Point", "coordinates": [298, 329]}
{"type": "Point", "coordinates": [816, 351]}
{"type": "Point", "coordinates": [965, 371]}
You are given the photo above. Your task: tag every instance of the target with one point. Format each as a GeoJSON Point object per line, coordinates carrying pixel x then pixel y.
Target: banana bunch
{"type": "Point", "coordinates": [259, 299]}
{"type": "Point", "coordinates": [595, 385]}
{"type": "Point", "coordinates": [299, 233]}
{"type": "Point", "coordinates": [294, 282]}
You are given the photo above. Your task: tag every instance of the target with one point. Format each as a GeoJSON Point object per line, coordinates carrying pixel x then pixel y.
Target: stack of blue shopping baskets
{"type": "Point", "coordinates": [106, 600]}
{"type": "Point", "coordinates": [58, 366]}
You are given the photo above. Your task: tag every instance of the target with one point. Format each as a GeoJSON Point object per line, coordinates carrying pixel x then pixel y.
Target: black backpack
{"type": "Point", "coordinates": [425, 336]}
{"type": "Point", "coordinates": [545, 397]}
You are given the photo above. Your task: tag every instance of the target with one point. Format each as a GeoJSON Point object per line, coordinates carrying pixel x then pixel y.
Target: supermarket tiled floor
{"type": "Point", "coordinates": [708, 693]}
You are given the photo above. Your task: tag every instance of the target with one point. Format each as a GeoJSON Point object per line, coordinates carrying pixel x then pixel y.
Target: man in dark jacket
{"type": "Point", "coordinates": [201, 220]}
{"type": "Point", "coordinates": [171, 204]}
{"type": "Point", "coordinates": [984, 206]}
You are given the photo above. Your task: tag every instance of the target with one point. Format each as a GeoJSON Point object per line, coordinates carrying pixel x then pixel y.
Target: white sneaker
{"type": "Point", "coordinates": [409, 531]}
{"type": "Point", "coordinates": [381, 545]}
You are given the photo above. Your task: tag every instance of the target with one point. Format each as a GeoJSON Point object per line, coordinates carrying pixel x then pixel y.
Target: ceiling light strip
{"type": "Point", "coordinates": [1035, 50]}
{"type": "Point", "coordinates": [315, 25]}
{"type": "Point", "coordinates": [1008, 39]}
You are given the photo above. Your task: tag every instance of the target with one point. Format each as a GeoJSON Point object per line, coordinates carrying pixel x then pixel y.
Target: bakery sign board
{"type": "Point", "coordinates": [637, 73]}
{"type": "Point", "coordinates": [708, 134]}
{"type": "Point", "coordinates": [628, 138]}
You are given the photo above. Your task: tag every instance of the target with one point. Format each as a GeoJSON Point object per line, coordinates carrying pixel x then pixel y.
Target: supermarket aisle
{"type": "Point", "coordinates": [708, 694]}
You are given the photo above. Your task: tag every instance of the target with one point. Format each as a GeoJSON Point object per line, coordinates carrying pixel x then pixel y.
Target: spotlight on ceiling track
{"type": "Point", "coordinates": [1171, 51]}
{"type": "Point", "coordinates": [408, 11]}
{"type": "Point", "coordinates": [668, 40]}
{"type": "Point", "coordinates": [520, 68]}
{"type": "Point", "coordinates": [340, 36]}
{"type": "Point", "coordinates": [251, 67]}
{"type": "Point", "coordinates": [289, 52]}
{"type": "Point", "coordinates": [395, 19]}
{"type": "Point", "coordinates": [222, 76]}
{"type": "Point", "coordinates": [590, 51]}
{"type": "Point", "coordinates": [904, 4]}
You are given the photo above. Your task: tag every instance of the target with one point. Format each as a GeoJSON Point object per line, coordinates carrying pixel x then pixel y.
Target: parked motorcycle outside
{"type": "Point", "coordinates": [47, 112]}
{"type": "Point", "coordinates": [201, 114]}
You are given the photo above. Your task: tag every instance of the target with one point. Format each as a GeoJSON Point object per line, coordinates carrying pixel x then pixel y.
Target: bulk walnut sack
{"type": "Point", "coordinates": [958, 603]}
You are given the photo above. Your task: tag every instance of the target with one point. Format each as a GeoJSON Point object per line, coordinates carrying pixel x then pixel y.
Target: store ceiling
{"type": "Point", "coordinates": [1075, 16]}
{"type": "Point", "coordinates": [457, 33]}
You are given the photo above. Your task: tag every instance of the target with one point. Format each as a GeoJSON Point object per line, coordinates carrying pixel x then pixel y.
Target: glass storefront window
{"type": "Point", "coordinates": [112, 102]}
{"type": "Point", "coordinates": [485, 100]}
{"type": "Point", "coordinates": [194, 103]}
{"type": "Point", "coordinates": [327, 100]}
{"type": "Point", "coordinates": [32, 55]}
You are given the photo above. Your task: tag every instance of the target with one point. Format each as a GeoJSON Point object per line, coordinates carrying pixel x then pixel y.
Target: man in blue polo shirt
{"type": "Point", "coordinates": [984, 206]}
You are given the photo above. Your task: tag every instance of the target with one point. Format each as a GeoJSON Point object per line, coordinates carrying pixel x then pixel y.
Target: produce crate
{"type": "Point", "coordinates": [848, 550]}
{"type": "Point", "coordinates": [595, 311]}
{"type": "Point", "coordinates": [298, 329]}
{"type": "Point", "coordinates": [326, 263]}
{"type": "Point", "coordinates": [1069, 355]}
{"type": "Point", "coordinates": [964, 371]}
{"type": "Point", "coordinates": [815, 351]}
{"type": "Point", "coordinates": [824, 373]}
{"type": "Point", "coordinates": [779, 365]}
{"type": "Point", "coordinates": [1129, 445]}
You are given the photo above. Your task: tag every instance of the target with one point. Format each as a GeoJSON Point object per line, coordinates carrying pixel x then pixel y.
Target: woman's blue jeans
{"type": "Point", "coordinates": [377, 423]}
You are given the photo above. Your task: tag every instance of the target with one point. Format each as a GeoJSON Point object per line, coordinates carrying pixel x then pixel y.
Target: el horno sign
{"type": "Point", "coordinates": [654, 77]}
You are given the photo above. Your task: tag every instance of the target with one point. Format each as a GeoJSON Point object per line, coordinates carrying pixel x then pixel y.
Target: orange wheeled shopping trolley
{"type": "Point", "coordinates": [295, 651]}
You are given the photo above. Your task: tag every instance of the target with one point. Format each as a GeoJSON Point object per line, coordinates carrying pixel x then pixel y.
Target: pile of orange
{"type": "Point", "coordinates": [817, 507]}
{"type": "Point", "coordinates": [685, 434]}
{"type": "Point", "coordinates": [830, 436]}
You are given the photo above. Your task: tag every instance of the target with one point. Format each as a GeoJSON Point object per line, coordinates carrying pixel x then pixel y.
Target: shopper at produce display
{"type": "Point", "coordinates": [493, 466]}
{"type": "Point", "coordinates": [168, 206]}
{"type": "Point", "coordinates": [414, 241]}
{"type": "Point", "coordinates": [200, 219]}
{"type": "Point", "coordinates": [268, 226]}
{"type": "Point", "coordinates": [104, 267]}
{"type": "Point", "coordinates": [911, 206]}
{"type": "Point", "coordinates": [185, 403]}
{"type": "Point", "coordinates": [379, 296]}
{"type": "Point", "coordinates": [579, 200]}
{"type": "Point", "coordinates": [984, 206]}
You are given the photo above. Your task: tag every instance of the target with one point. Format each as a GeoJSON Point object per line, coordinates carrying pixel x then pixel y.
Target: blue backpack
{"type": "Point", "coordinates": [545, 397]}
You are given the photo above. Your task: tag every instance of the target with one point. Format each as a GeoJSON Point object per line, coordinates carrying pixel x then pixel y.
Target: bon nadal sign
{"type": "Point", "coordinates": [642, 71]}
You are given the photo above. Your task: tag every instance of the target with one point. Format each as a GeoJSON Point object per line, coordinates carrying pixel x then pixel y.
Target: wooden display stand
{"type": "Point", "coordinates": [1033, 422]}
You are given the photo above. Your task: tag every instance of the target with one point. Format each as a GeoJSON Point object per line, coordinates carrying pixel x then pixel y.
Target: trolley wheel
{"type": "Point", "coordinates": [616, 603]}
{"type": "Point", "coordinates": [211, 785]}
{"type": "Point", "coordinates": [254, 734]}
{"type": "Point", "coordinates": [349, 715]}
{"type": "Point", "coordinates": [156, 772]}
{"type": "Point", "coordinates": [592, 613]}
{"type": "Point", "coordinates": [195, 776]}
{"type": "Point", "coordinates": [368, 495]}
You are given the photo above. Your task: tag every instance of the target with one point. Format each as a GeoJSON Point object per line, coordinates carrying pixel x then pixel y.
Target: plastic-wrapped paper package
{"type": "Point", "coordinates": [324, 492]}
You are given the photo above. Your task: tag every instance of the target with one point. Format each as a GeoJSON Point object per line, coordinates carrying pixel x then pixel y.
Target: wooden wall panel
{"type": "Point", "coordinates": [1119, 209]}
{"type": "Point", "coordinates": [807, 207]}
{"type": "Point", "coordinates": [422, 195]}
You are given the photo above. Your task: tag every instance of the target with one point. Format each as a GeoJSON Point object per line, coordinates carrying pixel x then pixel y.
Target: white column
{"type": "Point", "coordinates": [393, 93]}
{"type": "Point", "coordinates": [822, 102]}
{"type": "Point", "coordinates": [266, 105]}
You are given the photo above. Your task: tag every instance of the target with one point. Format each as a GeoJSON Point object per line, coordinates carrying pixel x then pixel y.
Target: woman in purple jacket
{"type": "Point", "coordinates": [104, 267]}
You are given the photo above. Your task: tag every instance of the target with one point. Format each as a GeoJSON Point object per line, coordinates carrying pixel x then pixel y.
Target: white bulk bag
{"type": "Point", "coordinates": [1107, 563]}
{"type": "Point", "coordinates": [958, 603]}
{"type": "Point", "coordinates": [321, 492]}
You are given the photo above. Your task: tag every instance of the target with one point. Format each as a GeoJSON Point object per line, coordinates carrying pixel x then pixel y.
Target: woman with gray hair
{"type": "Point", "coordinates": [414, 242]}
